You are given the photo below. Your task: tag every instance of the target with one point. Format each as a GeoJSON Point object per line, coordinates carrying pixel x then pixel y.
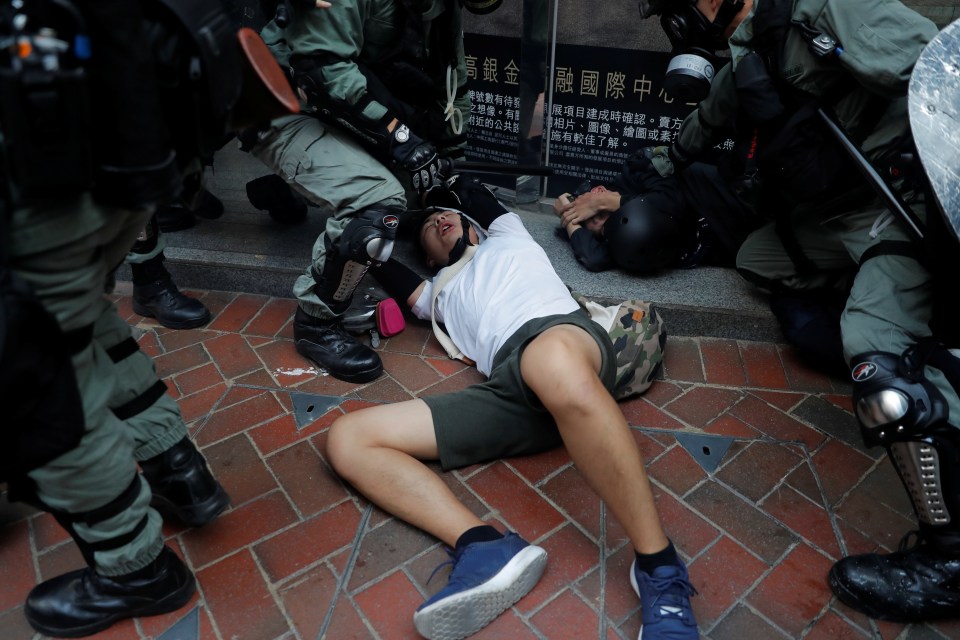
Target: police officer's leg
{"type": "Point", "coordinates": [181, 483]}
{"type": "Point", "coordinates": [905, 397]}
{"type": "Point", "coordinates": [154, 293]}
{"type": "Point", "coordinates": [363, 200]}
{"type": "Point", "coordinates": [94, 491]}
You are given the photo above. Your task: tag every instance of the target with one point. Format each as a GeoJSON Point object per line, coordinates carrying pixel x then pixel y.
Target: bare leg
{"type": "Point", "coordinates": [593, 428]}
{"type": "Point", "coordinates": [378, 450]}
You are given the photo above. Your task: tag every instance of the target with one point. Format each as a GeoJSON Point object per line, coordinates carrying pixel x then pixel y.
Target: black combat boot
{"type": "Point", "coordinates": [910, 585]}
{"type": "Point", "coordinates": [272, 194]}
{"type": "Point", "coordinates": [83, 602]}
{"type": "Point", "coordinates": [183, 486]}
{"type": "Point", "coordinates": [162, 300]}
{"type": "Point", "coordinates": [326, 343]}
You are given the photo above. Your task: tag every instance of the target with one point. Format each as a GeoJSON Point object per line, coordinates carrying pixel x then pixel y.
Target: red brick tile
{"type": "Point", "coordinates": [238, 313]}
{"type": "Point", "coordinates": [690, 533]}
{"type": "Point", "coordinates": [731, 427]}
{"type": "Point", "coordinates": [445, 366]}
{"type": "Point", "coordinates": [721, 360]}
{"type": "Point", "coordinates": [16, 558]}
{"type": "Point", "coordinates": [389, 606]}
{"type": "Point", "coordinates": [462, 380]}
{"type": "Point", "coordinates": [874, 520]}
{"type": "Point", "coordinates": [570, 556]}
{"type": "Point", "coordinates": [306, 543]}
{"type": "Point", "coordinates": [174, 362]}
{"type": "Point", "coordinates": [411, 372]}
{"type": "Point", "coordinates": [743, 522]}
{"type": "Point", "coordinates": [411, 339]}
{"type": "Point", "coordinates": [239, 417]}
{"type": "Point", "coordinates": [641, 413]}
{"type": "Point", "coordinates": [660, 393]}
{"type": "Point", "coordinates": [537, 467]}
{"type": "Point", "coordinates": [677, 470]}
{"type": "Point", "coordinates": [570, 491]}
{"type": "Point", "coordinates": [507, 626]}
{"type": "Point", "coordinates": [307, 601]}
{"type": "Point", "coordinates": [883, 486]}
{"type": "Point", "coordinates": [796, 590]}
{"type": "Point", "coordinates": [15, 626]}
{"type": "Point", "coordinates": [47, 533]}
{"type": "Point", "coordinates": [239, 469]}
{"type": "Point", "coordinates": [522, 508]}
{"type": "Point", "coordinates": [700, 405]}
{"type": "Point", "coordinates": [258, 378]}
{"type": "Point", "coordinates": [619, 600]}
{"type": "Point", "coordinates": [287, 366]}
{"type": "Point", "coordinates": [236, 395]}
{"type": "Point", "coordinates": [833, 627]}
{"type": "Point", "coordinates": [238, 528]}
{"type": "Point", "coordinates": [384, 390]}
{"type": "Point", "coordinates": [742, 624]}
{"type": "Point", "coordinates": [682, 361]}
{"type": "Point", "coordinates": [759, 468]}
{"type": "Point", "coordinates": [782, 400]}
{"type": "Point", "coordinates": [387, 544]}
{"type": "Point", "coordinates": [283, 431]}
{"type": "Point", "coordinates": [775, 423]}
{"type": "Point", "coordinates": [803, 481]}
{"type": "Point", "coordinates": [272, 317]}
{"type": "Point", "coordinates": [800, 376]}
{"type": "Point", "coordinates": [844, 401]}
{"type": "Point", "coordinates": [174, 340]}
{"type": "Point", "coordinates": [722, 575]}
{"type": "Point", "coordinates": [566, 617]}
{"type": "Point", "coordinates": [325, 385]}
{"type": "Point", "coordinates": [650, 448]}
{"type": "Point", "coordinates": [840, 467]}
{"type": "Point", "coordinates": [60, 560]}
{"type": "Point", "coordinates": [149, 344]}
{"type": "Point", "coordinates": [806, 518]}
{"type": "Point", "coordinates": [194, 380]}
{"type": "Point", "coordinates": [198, 405]}
{"type": "Point", "coordinates": [233, 355]}
{"type": "Point", "coordinates": [308, 482]}
{"type": "Point", "coordinates": [763, 366]}
{"type": "Point", "coordinates": [217, 301]}
{"type": "Point", "coordinates": [154, 626]}
{"type": "Point", "coordinates": [238, 599]}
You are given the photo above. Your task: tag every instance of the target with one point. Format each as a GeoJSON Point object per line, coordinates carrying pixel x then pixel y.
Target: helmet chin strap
{"type": "Point", "coordinates": [461, 245]}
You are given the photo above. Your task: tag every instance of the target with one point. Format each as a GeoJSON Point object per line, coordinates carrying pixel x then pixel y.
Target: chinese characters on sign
{"type": "Point", "coordinates": [607, 103]}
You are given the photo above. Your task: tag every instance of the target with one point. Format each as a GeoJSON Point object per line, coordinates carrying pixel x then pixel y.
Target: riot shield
{"type": "Point", "coordinates": [934, 106]}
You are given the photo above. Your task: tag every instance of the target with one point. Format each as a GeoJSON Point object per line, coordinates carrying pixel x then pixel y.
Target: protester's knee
{"type": "Point", "coordinates": [561, 370]}
{"type": "Point", "coordinates": [345, 442]}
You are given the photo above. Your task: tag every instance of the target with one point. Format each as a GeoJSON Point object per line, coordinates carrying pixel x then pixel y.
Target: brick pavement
{"type": "Point", "coordinates": [756, 461]}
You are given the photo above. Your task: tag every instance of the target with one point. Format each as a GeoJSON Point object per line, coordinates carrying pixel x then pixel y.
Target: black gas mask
{"type": "Point", "coordinates": [694, 39]}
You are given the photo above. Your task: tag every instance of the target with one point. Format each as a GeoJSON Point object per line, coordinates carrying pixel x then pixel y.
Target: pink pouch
{"type": "Point", "coordinates": [390, 320]}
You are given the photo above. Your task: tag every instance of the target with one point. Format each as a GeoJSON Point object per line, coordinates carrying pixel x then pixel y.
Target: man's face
{"type": "Point", "coordinates": [439, 234]}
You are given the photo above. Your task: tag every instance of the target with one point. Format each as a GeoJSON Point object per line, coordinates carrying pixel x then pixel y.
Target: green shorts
{"type": "Point", "coordinates": [502, 417]}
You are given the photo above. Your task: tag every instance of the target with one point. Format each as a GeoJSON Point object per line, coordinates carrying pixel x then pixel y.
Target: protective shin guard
{"type": "Point", "coordinates": [366, 241]}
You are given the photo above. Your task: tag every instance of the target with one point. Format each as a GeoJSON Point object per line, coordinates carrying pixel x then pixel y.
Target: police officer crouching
{"type": "Point", "coordinates": [120, 96]}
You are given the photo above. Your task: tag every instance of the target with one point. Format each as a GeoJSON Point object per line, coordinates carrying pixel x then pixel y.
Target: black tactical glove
{"type": "Point", "coordinates": [466, 193]}
{"type": "Point", "coordinates": [420, 158]}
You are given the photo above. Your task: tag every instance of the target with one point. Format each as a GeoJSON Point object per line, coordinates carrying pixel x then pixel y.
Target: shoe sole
{"type": "Point", "coordinates": [360, 376]}
{"type": "Point", "coordinates": [194, 515]}
{"type": "Point", "coordinates": [467, 612]}
{"type": "Point", "coordinates": [190, 324]}
{"type": "Point", "coordinates": [172, 602]}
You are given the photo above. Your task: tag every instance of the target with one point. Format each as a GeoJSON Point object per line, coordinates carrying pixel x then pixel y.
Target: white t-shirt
{"type": "Point", "coordinates": [509, 281]}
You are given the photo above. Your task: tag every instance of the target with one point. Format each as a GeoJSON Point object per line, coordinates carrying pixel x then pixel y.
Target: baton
{"type": "Point", "coordinates": [891, 197]}
{"type": "Point", "coordinates": [504, 169]}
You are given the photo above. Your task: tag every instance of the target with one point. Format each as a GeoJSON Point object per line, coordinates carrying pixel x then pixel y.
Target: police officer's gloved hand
{"type": "Point", "coordinates": [429, 170]}
{"type": "Point", "coordinates": [659, 158]}
{"type": "Point", "coordinates": [466, 193]}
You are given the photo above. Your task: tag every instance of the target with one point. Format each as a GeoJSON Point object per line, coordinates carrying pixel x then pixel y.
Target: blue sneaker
{"type": "Point", "coordinates": [487, 579]}
{"type": "Point", "coordinates": [665, 598]}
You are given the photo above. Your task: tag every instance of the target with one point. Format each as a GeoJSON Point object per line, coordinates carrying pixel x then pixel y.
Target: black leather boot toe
{"type": "Point", "coordinates": [183, 486]}
{"type": "Point", "coordinates": [162, 300]}
{"type": "Point", "coordinates": [325, 343]}
{"type": "Point", "coordinates": [81, 603]}
{"type": "Point", "coordinates": [914, 585]}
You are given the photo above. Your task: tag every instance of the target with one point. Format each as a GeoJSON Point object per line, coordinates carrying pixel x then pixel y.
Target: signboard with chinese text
{"type": "Point", "coordinates": [607, 103]}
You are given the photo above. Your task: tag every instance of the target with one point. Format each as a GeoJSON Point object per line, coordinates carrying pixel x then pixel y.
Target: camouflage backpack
{"type": "Point", "coordinates": [639, 337]}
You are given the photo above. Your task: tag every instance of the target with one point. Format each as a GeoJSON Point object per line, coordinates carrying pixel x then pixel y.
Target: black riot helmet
{"type": "Point", "coordinates": [481, 7]}
{"type": "Point", "coordinates": [214, 77]}
{"type": "Point", "coordinates": [642, 236]}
